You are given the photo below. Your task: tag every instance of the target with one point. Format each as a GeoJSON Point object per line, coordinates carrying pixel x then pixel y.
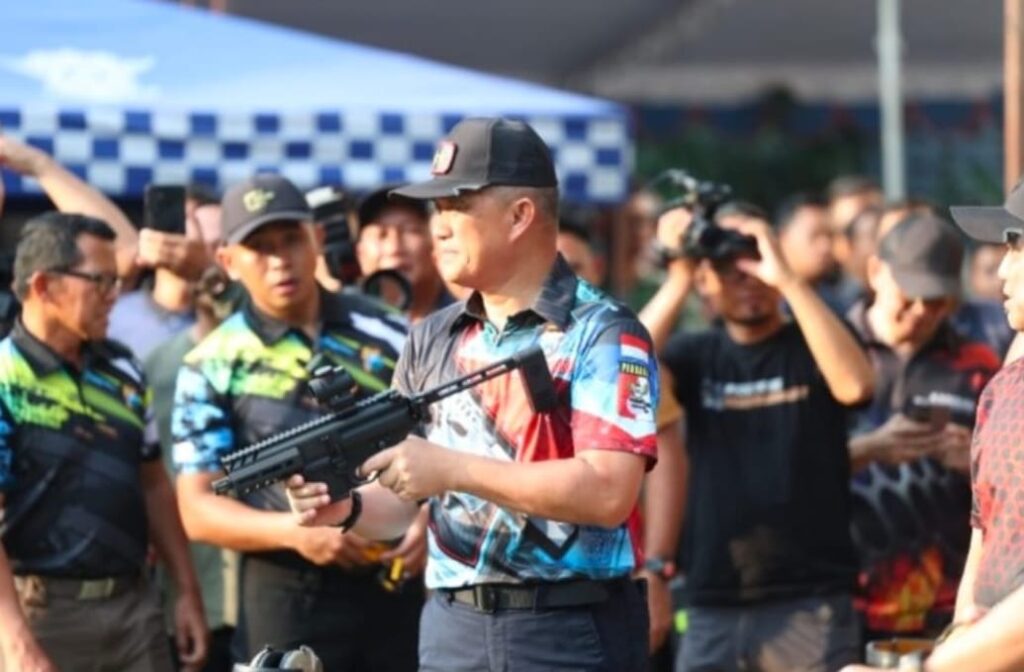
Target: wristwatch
{"type": "Point", "coordinates": [353, 515]}
{"type": "Point", "coordinates": [660, 567]}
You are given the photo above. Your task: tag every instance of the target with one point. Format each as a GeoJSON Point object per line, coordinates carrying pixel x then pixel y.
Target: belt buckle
{"type": "Point", "coordinates": [485, 598]}
{"type": "Point", "coordinates": [96, 589]}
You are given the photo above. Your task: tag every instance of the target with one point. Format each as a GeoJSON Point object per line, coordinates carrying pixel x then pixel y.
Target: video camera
{"type": "Point", "coordinates": [330, 209]}
{"type": "Point", "coordinates": [704, 239]}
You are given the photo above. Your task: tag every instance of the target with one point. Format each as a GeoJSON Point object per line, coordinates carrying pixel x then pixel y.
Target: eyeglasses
{"type": "Point", "coordinates": [105, 282]}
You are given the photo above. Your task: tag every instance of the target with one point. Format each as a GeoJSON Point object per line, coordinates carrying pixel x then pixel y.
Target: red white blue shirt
{"type": "Point", "coordinates": [606, 380]}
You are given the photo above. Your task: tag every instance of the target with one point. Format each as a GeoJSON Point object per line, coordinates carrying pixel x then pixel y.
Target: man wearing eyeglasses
{"type": "Point", "coordinates": [81, 484]}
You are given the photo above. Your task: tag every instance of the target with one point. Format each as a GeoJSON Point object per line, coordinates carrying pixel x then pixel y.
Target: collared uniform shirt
{"type": "Point", "coordinates": [71, 445]}
{"type": "Point", "coordinates": [605, 376]}
{"type": "Point", "coordinates": [247, 380]}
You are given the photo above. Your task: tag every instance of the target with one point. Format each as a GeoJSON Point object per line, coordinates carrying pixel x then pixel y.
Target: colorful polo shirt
{"type": "Point", "coordinates": [606, 380]}
{"type": "Point", "coordinates": [71, 445]}
{"type": "Point", "coordinates": [248, 379]}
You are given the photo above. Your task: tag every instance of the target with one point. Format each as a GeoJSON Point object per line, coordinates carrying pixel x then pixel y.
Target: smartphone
{"type": "Point", "coordinates": [938, 417]}
{"type": "Point", "coordinates": [164, 208]}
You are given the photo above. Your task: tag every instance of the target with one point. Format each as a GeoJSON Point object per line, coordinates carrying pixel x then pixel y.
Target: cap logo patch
{"type": "Point", "coordinates": [255, 200]}
{"type": "Point", "coordinates": [444, 157]}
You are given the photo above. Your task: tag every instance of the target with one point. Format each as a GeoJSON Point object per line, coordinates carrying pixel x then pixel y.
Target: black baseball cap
{"type": "Point", "coordinates": [993, 224]}
{"type": "Point", "coordinates": [925, 254]}
{"type": "Point", "coordinates": [260, 200]}
{"type": "Point", "coordinates": [376, 202]}
{"type": "Point", "coordinates": [480, 153]}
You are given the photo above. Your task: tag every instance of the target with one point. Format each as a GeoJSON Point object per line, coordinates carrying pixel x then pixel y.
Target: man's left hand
{"type": "Point", "coordinates": [191, 635]}
{"type": "Point", "coordinates": [659, 608]}
{"type": "Point", "coordinates": [415, 469]}
{"type": "Point", "coordinates": [771, 268]}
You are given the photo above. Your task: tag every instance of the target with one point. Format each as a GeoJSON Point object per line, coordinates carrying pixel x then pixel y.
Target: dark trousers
{"type": "Point", "coordinates": [611, 636]}
{"type": "Point", "coordinates": [810, 634]}
{"type": "Point", "coordinates": [348, 620]}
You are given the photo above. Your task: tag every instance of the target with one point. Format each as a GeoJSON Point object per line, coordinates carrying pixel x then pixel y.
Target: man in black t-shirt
{"type": "Point", "coordinates": [766, 553]}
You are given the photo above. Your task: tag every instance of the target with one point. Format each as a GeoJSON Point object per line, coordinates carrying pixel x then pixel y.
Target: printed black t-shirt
{"type": "Point", "coordinates": [768, 505]}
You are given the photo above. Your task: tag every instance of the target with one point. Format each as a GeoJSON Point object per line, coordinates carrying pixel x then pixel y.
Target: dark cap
{"type": "Point", "coordinates": [991, 224]}
{"type": "Point", "coordinates": [480, 153]}
{"type": "Point", "coordinates": [925, 254]}
{"type": "Point", "coordinates": [260, 200]}
{"type": "Point", "coordinates": [375, 203]}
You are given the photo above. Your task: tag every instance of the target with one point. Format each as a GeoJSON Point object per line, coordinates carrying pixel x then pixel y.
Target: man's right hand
{"type": "Point", "coordinates": [330, 546]}
{"type": "Point", "coordinates": [672, 226]}
{"type": "Point", "coordinates": [21, 652]}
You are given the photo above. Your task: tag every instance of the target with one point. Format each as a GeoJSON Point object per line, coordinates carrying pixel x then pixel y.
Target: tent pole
{"type": "Point", "coordinates": [1013, 92]}
{"type": "Point", "coordinates": [891, 99]}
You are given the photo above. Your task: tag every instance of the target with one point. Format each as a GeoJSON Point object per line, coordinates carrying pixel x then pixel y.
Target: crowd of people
{"type": "Point", "coordinates": [773, 450]}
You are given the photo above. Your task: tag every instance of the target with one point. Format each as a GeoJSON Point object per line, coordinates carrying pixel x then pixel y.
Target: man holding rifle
{"type": "Point", "coordinates": [529, 552]}
{"type": "Point", "coordinates": [246, 381]}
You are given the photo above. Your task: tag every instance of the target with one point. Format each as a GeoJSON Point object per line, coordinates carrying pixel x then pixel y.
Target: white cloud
{"type": "Point", "coordinates": [93, 76]}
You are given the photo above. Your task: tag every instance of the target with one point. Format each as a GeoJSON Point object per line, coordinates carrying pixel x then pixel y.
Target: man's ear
{"type": "Point", "coordinates": [225, 255]}
{"type": "Point", "coordinates": [39, 286]}
{"type": "Point", "coordinates": [523, 214]}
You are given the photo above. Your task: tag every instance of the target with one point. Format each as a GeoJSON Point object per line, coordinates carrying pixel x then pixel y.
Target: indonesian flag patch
{"type": "Point", "coordinates": [634, 392]}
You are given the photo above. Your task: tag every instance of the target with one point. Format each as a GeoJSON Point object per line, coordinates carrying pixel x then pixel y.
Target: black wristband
{"type": "Point", "coordinates": [353, 516]}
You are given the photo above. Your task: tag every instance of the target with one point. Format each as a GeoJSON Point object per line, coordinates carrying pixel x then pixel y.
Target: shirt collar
{"type": "Point", "coordinates": [39, 355]}
{"type": "Point", "coordinates": [554, 304]}
{"type": "Point", "coordinates": [333, 313]}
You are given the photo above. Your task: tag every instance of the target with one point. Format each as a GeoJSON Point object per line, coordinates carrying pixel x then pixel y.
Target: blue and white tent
{"type": "Point", "coordinates": [128, 92]}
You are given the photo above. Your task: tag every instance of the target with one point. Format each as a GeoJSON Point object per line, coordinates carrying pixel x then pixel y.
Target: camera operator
{"type": "Point", "coordinates": [767, 556]}
{"type": "Point", "coordinates": [394, 234]}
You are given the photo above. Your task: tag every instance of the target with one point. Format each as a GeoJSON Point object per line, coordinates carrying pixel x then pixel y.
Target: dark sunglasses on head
{"type": "Point", "coordinates": [105, 282]}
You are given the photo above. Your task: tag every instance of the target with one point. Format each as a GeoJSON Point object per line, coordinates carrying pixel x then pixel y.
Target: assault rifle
{"type": "Point", "coordinates": [331, 448]}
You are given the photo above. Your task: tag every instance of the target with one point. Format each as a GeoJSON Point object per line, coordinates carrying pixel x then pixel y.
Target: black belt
{"type": "Point", "coordinates": [492, 597]}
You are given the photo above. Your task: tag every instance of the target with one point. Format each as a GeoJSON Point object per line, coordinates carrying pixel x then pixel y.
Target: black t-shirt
{"type": "Point", "coordinates": [768, 504]}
